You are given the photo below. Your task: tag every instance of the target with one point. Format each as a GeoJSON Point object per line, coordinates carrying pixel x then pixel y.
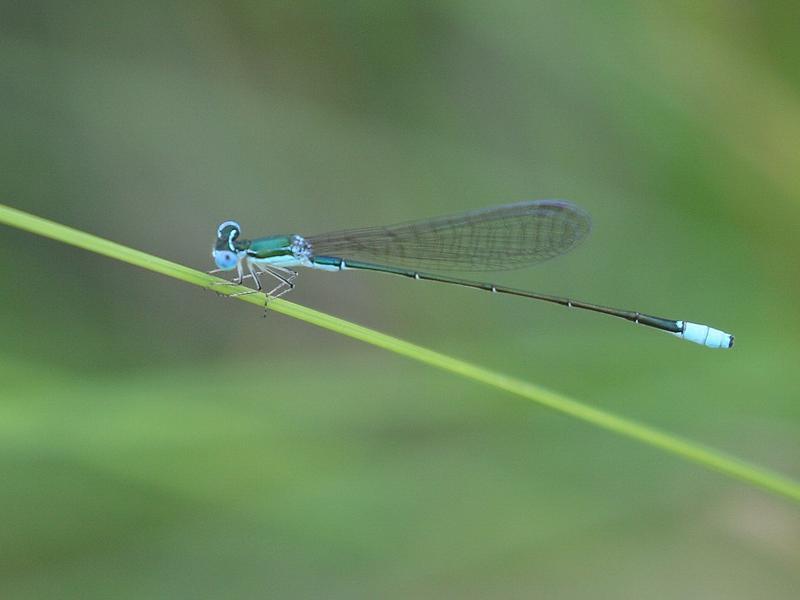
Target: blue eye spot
{"type": "Point", "coordinates": [225, 259]}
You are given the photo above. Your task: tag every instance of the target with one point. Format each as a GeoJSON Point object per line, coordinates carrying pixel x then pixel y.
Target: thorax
{"type": "Point", "coordinates": [279, 250]}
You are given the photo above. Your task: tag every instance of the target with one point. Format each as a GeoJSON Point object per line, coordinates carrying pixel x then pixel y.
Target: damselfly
{"type": "Point", "coordinates": [496, 238]}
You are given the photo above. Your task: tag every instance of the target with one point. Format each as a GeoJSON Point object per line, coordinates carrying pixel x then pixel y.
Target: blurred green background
{"type": "Point", "coordinates": [158, 441]}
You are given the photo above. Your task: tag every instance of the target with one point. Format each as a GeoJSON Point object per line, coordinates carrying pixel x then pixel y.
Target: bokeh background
{"type": "Point", "coordinates": [159, 441]}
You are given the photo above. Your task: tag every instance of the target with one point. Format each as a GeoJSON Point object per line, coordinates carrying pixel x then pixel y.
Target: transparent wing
{"type": "Point", "coordinates": [500, 237]}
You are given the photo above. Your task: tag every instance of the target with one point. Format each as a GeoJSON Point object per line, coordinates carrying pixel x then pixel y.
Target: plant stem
{"type": "Point", "coordinates": [705, 456]}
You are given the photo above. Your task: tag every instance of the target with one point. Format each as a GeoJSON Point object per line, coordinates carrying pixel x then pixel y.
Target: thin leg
{"type": "Point", "coordinates": [279, 294]}
{"type": "Point", "coordinates": [254, 275]}
{"type": "Point", "coordinates": [255, 279]}
{"type": "Point", "coordinates": [285, 283]}
{"type": "Point", "coordinates": [255, 269]}
{"type": "Point", "coordinates": [236, 280]}
{"type": "Point", "coordinates": [277, 273]}
{"type": "Point", "coordinates": [228, 282]}
{"type": "Point", "coordinates": [288, 273]}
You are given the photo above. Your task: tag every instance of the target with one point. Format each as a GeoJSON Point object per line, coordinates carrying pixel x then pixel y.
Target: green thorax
{"type": "Point", "coordinates": [267, 247]}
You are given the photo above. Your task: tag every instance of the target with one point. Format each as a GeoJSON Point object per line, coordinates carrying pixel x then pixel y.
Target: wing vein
{"type": "Point", "coordinates": [500, 237]}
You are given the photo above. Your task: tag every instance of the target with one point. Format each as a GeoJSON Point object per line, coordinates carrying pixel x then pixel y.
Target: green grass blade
{"type": "Point", "coordinates": [705, 456]}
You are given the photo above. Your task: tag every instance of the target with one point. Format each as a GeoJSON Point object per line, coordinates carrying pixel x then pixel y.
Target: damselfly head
{"type": "Point", "coordinates": [225, 254]}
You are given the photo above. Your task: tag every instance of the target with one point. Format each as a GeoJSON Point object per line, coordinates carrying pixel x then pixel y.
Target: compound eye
{"type": "Point", "coordinates": [227, 228]}
{"type": "Point", "coordinates": [225, 259]}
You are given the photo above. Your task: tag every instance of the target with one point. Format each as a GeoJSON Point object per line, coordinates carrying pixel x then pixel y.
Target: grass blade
{"type": "Point", "coordinates": [692, 451]}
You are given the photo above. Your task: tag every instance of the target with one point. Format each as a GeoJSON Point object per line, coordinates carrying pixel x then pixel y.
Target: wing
{"type": "Point", "coordinates": [500, 237]}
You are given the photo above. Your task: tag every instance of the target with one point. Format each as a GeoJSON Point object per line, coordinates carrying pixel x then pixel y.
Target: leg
{"type": "Point", "coordinates": [288, 273]}
{"type": "Point", "coordinates": [285, 281]}
{"type": "Point", "coordinates": [282, 281]}
{"type": "Point", "coordinates": [255, 269]}
{"type": "Point", "coordinates": [253, 275]}
{"type": "Point", "coordinates": [236, 280]}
